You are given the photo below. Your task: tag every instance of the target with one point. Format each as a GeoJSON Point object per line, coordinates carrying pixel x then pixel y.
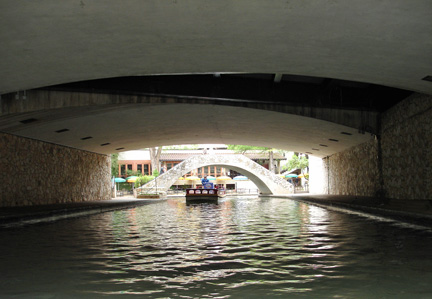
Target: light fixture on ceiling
{"type": "Point", "coordinates": [62, 130]}
{"type": "Point", "coordinates": [28, 120]}
{"type": "Point", "coordinates": [427, 78]}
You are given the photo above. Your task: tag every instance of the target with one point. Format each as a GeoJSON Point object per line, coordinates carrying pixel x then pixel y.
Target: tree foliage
{"type": "Point", "coordinates": [143, 179]}
{"type": "Point", "coordinates": [244, 148]}
{"type": "Point", "coordinates": [296, 162]}
{"type": "Point", "coordinates": [182, 147]}
{"type": "Point", "coordinates": [114, 165]}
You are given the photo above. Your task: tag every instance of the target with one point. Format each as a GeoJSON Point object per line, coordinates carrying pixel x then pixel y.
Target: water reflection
{"type": "Point", "coordinates": [249, 247]}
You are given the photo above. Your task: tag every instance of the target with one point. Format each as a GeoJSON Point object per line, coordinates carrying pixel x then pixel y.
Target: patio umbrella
{"type": "Point", "coordinates": [179, 182]}
{"type": "Point", "coordinates": [301, 176]}
{"type": "Point", "coordinates": [211, 178]}
{"type": "Point", "coordinates": [281, 176]}
{"type": "Point", "coordinates": [223, 178]}
{"type": "Point", "coordinates": [119, 180]}
{"type": "Point", "coordinates": [240, 178]}
{"type": "Point", "coordinates": [131, 179]}
{"type": "Point", "coordinates": [291, 175]}
{"type": "Point", "coordinates": [194, 180]}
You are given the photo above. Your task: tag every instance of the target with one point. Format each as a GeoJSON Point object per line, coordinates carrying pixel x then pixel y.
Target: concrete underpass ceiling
{"type": "Point", "coordinates": [53, 42]}
{"type": "Point", "coordinates": [117, 129]}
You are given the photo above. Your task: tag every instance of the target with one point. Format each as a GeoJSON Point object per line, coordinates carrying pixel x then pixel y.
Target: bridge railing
{"type": "Point", "coordinates": [301, 189]}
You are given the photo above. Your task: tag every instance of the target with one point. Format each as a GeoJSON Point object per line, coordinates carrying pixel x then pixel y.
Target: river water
{"type": "Point", "coordinates": [239, 248]}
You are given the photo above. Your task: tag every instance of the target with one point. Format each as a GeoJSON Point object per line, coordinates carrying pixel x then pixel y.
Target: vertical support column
{"type": "Point", "coordinates": [318, 175]}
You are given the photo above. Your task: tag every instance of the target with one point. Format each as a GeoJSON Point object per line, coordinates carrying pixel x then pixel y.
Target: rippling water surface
{"type": "Point", "coordinates": [239, 248]}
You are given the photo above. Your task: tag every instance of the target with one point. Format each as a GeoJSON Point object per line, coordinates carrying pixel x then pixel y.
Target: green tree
{"type": "Point", "coordinates": [244, 148]}
{"type": "Point", "coordinates": [141, 180]}
{"type": "Point", "coordinates": [114, 165]}
{"type": "Point", "coordinates": [296, 162]}
{"type": "Point", "coordinates": [132, 173]}
{"type": "Point", "coordinates": [182, 147]}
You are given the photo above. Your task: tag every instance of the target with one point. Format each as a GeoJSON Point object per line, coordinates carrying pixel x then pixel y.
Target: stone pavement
{"type": "Point", "coordinates": [44, 213]}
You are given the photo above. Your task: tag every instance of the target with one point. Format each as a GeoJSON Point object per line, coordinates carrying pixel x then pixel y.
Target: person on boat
{"type": "Point", "coordinates": [204, 180]}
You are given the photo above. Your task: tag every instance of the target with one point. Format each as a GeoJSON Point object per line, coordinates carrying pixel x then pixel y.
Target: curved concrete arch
{"type": "Point", "coordinates": [381, 42]}
{"type": "Point", "coordinates": [128, 122]}
{"type": "Point", "coordinates": [267, 182]}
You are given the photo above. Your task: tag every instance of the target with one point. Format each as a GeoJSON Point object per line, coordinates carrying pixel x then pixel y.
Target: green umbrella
{"type": "Point", "coordinates": [119, 180]}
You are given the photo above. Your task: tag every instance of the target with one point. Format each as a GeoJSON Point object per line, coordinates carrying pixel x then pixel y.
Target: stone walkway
{"type": "Point", "coordinates": [44, 213]}
{"type": "Point", "coordinates": [411, 211]}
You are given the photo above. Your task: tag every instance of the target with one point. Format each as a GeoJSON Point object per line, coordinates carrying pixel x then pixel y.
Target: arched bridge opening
{"type": "Point", "coordinates": [267, 182]}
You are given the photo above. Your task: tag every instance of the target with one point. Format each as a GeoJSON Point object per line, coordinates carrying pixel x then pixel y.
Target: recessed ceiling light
{"type": "Point", "coordinates": [85, 138]}
{"type": "Point", "coordinates": [309, 153]}
{"type": "Point", "coordinates": [29, 120]}
{"type": "Point", "coordinates": [120, 148]}
{"type": "Point", "coordinates": [323, 145]}
{"type": "Point", "coordinates": [103, 144]}
{"type": "Point", "coordinates": [428, 78]}
{"type": "Point", "coordinates": [315, 149]}
{"type": "Point", "coordinates": [346, 133]}
{"type": "Point", "coordinates": [62, 130]}
{"type": "Point", "coordinates": [334, 140]}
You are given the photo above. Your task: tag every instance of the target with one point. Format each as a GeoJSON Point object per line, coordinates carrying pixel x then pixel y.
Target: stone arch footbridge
{"type": "Point", "coordinates": [267, 182]}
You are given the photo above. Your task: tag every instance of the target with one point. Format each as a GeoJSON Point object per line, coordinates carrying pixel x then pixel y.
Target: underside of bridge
{"type": "Point", "coordinates": [345, 81]}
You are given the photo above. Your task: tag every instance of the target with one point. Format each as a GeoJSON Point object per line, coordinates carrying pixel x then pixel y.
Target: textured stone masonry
{"type": "Point", "coordinates": [36, 173]}
{"type": "Point", "coordinates": [406, 156]}
{"type": "Point", "coordinates": [407, 149]}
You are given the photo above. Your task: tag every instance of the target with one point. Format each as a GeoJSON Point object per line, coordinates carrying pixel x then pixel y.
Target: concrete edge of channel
{"type": "Point", "coordinates": [18, 216]}
{"type": "Point", "coordinates": [363, 205]}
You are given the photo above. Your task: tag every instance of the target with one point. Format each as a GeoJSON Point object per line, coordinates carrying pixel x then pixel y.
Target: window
{"type": "Point", "coordinates": [123, 169]}
{"type": "Point", "coordinates": [218, 170]}
{"type": "Point", "coordinates": [200, 171]}
{"type": "Point", "coordinates": [212, 170]}
{"type": "Point", "coordinates": [169, 166]}
{"type": "Point", "coordinates": [146, 169]}
{"type": "Point", "coordinates": [139, 168]}
{"type": "Point", "coordinates": [129, 167]}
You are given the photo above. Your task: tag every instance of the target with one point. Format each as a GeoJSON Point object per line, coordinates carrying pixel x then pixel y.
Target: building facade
{"type": "Point", "coordinates": [134, 162]}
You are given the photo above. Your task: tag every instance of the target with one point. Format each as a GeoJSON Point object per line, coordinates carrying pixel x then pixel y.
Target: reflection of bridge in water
{"type": "Point", "coordinates": [267, 182]}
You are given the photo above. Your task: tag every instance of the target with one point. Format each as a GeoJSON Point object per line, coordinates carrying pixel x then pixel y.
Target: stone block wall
{"type": "Point", "coordinates": [354, 171]}
{"type": "Point", "coordinates": [406, 132]}
{"type": "Point", "coordinates": [37, 173]}
{"type": "Point", "coordinates": [400, 168]}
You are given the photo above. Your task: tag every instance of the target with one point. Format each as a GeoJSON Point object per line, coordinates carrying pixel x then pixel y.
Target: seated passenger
{"type": "Point", "coordinates": [204, 180]}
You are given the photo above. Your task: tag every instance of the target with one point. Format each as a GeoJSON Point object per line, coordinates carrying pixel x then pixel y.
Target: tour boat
{"type": "Point", "coordinates": [204, 195]}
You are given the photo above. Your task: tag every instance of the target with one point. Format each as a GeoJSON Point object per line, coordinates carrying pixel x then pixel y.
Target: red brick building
{"type": "Point", "coordinates": [139, 161]}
